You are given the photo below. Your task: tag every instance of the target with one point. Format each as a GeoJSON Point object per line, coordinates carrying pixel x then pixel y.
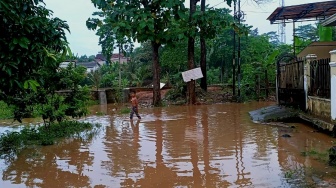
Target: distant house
{"type": "Point", "coordinates": [123, 59]}
{"type": "Point", "coordinates": [100, 58]}
{"type": "Point", "coordinates": [114, 58]}
{"type": "Point", "coordinates": [66, 63]}
{"type": "Point", "coordinates": [90, 66]}
{"type": "Point", "coordinates": [98, 62]}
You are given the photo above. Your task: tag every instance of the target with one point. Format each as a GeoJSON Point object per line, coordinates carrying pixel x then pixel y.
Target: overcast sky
{"type": "Point", "coordinates": [82, 41]}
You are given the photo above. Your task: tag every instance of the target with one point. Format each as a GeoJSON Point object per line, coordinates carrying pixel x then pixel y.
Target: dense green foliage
{"type": "Point", "coordinates": [6, 111]}
{"type": "Point", "coordinates": [258, 53]}
{"type": "Point", "coordinates": [140, 20]}
{"type": "Point", "coordinates": [12, 143]}
{"type": "Point", "coordinates": [32, 46]}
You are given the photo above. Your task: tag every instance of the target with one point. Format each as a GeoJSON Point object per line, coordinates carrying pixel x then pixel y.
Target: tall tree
{"type": "Point", "coordinates": [307, 32]}
{"type": "Point", "coordinates": [273, 38]}
{"type": "Point", "coordinates": [204, 85]}
{"type": "Point", "coordinates": [140, 20]}
{"type": "Point", "coordinates": [28, 39]}
{"type": "Point", "coordinates": [191, 53]}
{"type": "Point", "coordinates": [209, 22]}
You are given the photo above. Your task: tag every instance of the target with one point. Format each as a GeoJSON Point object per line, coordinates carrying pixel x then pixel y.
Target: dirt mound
{"type": "Point", "coordinates": [214, 94]}
{"type": "Point", "coordinates": [145, 98]}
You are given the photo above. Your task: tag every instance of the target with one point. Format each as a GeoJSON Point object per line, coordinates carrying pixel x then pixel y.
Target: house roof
{"type": "Point", "coordinates": [113, 56]}
{"type": "Point", "coordinates": [117, 56]}
{"type": "Point", "coordinates": [331, 21]}
{"type": "Point", "coordinates": [303, 12]}
{"type": "Point", "coordinates": [101, 57]}
{"type": "Point", "coordinates": [87, 64]}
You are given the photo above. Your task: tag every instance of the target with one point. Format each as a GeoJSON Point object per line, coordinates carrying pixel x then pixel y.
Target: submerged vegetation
{"type": "Point", "coordinates": [315, 154]}
{"type": "Point", "coordinates": [11, 143]}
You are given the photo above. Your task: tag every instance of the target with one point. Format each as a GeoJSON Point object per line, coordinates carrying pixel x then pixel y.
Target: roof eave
{"type": "Point", "coordinates": [331, 21]}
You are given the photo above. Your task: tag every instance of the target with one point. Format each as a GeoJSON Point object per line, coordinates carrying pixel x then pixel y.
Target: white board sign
{"type": "Point", "coordinates": [161, 85]}
{"type": "Point", "coordinates": [192, 74]}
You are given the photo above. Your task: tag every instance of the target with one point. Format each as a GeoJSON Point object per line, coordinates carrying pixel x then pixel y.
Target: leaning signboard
{"type": "Point", "coordinates": [192, 74]}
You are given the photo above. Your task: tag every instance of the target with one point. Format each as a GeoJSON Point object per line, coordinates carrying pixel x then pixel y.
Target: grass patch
{"type": "Point", "coordinates": [11, 143]}
{"type": "Point", "coordinates": [289, 174]}
{"type": "Point", "coordinates": [100, 114]}
{"type": "Point", "coordinates": [125, 110]}
{"type": "Point", "coordinates": [6, 112]}
{"type": "Point", "coordinates": [93, 102]}
{"type": "Point", "coordinates": [322, 156]}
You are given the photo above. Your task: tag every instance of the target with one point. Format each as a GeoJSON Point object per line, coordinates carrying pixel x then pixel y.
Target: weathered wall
{"type": "Point", "coordinates": [321, 49]}
{"type": "Point", "coordinates": [110, 95]}
{"type": "Point", "coordinates": [319, 107]}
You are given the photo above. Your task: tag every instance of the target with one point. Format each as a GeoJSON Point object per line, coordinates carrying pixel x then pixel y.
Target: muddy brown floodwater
{"type": "Point", "coordinates": [178, 146]}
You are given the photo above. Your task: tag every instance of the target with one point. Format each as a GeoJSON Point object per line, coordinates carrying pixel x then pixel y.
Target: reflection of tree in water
{"type": "Point", "coordinates": [243, 177]}
{"type": "Point", "coordinates": [163, 176]}
{"type": "Point", "coordinates": [160, 175]}
{"type": "Point", "coordinates": [175, 136]}
{"type": "Point", "coordinates": [122, 148]}
{"type": "Point", "coordinates": [212, 176]}
{"type": "Point", "coordinates": [39, 167]}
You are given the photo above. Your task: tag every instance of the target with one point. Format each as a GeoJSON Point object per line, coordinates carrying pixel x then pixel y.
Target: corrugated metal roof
{"type": "Point", "coordinates": [309, 11]}
{"type": "Point", "coordinates": [87, 64]}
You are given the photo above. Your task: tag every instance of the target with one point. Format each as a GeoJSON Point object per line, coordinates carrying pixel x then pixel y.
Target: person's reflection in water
{"type": "Point", "coordinates": [135, 129]}
{"type": "Point", "coordinates": [129, 182]}
{"type": "Point", "coordinates": [159, 175]}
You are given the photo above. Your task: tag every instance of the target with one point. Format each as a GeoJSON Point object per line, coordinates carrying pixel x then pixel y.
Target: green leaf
{"type": "Point", "coordinates": [23, 42]}
{"type": "Point", "coordinates": [15, 41]}
{"type": "Point", "coordinates": [33, 84]}
{"type": "Point", "coordinates": [69, 51]}
{"type": "Point", "coordinates": [25, 85]}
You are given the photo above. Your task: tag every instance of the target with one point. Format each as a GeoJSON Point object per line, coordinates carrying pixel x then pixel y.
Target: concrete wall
{"type": "Point", "coordinates": [110, 95]}
{"type": "Point", "coordinates": [321, 49]}
{"type": "Point", "coordinates": [319, 107]}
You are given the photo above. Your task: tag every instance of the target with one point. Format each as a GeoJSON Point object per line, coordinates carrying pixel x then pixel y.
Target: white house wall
{"type": "Point", "coordinates": [333, 97]}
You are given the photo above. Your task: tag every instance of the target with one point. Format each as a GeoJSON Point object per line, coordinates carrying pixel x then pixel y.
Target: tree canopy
{"type": "Point", "coordinates": [32, 45]}
{"type": "Point", "coordinates": [142, 21]}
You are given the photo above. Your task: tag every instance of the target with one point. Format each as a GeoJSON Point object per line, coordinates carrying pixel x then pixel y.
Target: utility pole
{"type": "Point", "coordinates": [239, 72]}
{"type": "Point", "coordinates": [234, 54]}
{"type": "Point", "coordinates": [204, 84]}
{"type": "Point", "coordinates": [282, 26]}
{"type": "Point", "coordinates": [119, 66]}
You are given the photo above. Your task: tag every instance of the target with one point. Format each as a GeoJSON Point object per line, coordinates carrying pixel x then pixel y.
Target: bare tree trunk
{"type": "Point", "coordinates": [191, 57]}
{"type": "Point", "coordinates": [156, 75]}
{"type": "Point", "coordinates": [204, 84]}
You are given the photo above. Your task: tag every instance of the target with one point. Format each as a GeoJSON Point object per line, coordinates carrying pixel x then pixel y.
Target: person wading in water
{"type": "Point", "coordinates": [134, 109]}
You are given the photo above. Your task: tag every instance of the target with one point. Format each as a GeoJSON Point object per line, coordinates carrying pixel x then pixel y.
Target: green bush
{"type": "Point", "coordinates": [13, 142]}
{"type": "Point", "coordinates": [213, 76]}
{"type": "Point", "coordinates": [6, 112]}
{"type": "Point", "coordinates": [125, 110]}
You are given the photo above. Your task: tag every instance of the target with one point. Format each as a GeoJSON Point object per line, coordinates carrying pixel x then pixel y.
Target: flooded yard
{"type": "Point", "coordinates": [178, 146]}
